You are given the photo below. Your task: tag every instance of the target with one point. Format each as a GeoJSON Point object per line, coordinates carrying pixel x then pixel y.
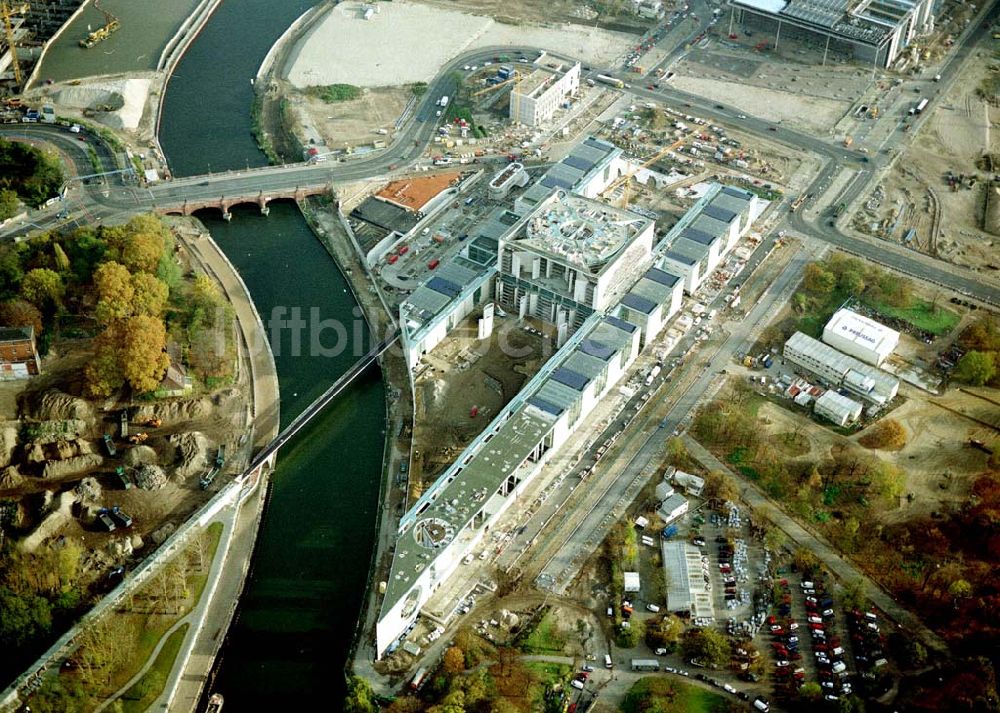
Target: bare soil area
{"type": "Point", "coordinates": [948, 221]}
{"type": "Point", "coordinates": [346, 124]}
{"type": "Point", "coordinates": [464, 386]}
{"type": "Point", "coordinates": [806, 97]}
{"type": "Point", "coordinates": [938, 462]}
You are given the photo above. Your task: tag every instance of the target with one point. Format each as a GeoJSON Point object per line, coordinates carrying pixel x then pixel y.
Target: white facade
{"type": "Point", "coordinates": [535, 99]}
{"type": "Point", "coordinates": [860, 337]}
{"type": "Point", "coordinates": [672, 508]}
{"type": "Point", "coordinates": [631, 581]}
{"type": "Point", "coordinates": [837, 408]}
{"type": "Point", "coordinates": [839, 369]}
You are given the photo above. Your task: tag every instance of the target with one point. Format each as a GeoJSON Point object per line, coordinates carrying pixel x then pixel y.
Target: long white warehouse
{"type": "Point", "coordinates": [861, 337]}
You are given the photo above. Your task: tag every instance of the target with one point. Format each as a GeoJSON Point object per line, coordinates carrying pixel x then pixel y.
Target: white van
{"type": "Point", "coordinates": [607, 661]}
{"type": "Point", "coordinates": [576, 683]}
{"type": "Point", "coordinates": [653, 608]}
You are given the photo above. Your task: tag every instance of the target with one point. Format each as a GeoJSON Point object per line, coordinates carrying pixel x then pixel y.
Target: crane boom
{"type": "Point", "coordinates": [626, 177]}
{"type": "Point", "coordinates": [8, 26]}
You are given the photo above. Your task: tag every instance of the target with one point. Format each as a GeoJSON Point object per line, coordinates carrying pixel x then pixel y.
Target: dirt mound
{"type": "Point", "coordinates": [56, 405]}
{"type": "Point", "coordinates": [140, 455]}
{"type": "Point", "coordinates": [180, 410]}
{"type": "Point", "coordinates": [62, 449]}
{"type": "Point", "coordinates": [192, 453]}
{"type": "Point", "coordinates": [71, 466]}
{"type": "Point", "coordinates": [8, 442]}
{"type": "Point", "coordinates": [150, 477]}
{"type": "Point", "coordinates": [10, 477]}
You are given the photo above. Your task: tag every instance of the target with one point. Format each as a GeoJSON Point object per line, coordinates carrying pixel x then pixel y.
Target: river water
{"type": "Point", "coordinates": [302, 600]}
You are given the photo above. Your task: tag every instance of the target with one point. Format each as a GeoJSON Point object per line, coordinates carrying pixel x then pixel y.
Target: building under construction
{"type": "Point", "coordinates": [27, 26]}
{"type": "Point", "coordinates": [875, 31]}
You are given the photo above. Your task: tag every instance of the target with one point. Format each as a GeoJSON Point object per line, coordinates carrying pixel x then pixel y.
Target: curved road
{"type": "Point", "coordinates": [416, 136]}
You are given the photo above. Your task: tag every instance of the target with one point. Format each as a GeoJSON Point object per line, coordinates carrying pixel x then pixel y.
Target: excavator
{"type": "Point", "coordinates": [111, 25]}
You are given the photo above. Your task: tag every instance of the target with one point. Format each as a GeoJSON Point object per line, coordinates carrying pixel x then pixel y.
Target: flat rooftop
{"type": "Point", "coordinates": [535, 83]}
{"type": "Point", "coordinates": [581, 232]}
{"type": "Point", "coordinates": [414, 193]}
{"type": "Point", "coordinates": [438, 291]}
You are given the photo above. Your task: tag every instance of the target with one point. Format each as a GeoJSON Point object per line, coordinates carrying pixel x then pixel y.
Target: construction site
{"type": "Point", "coordinates": [940, 197]}
{"type": "Point", "coordinates": [26, 29]}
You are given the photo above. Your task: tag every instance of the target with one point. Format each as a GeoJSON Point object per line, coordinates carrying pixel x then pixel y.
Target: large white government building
{"type": "Point", "coordinates": [603, 279]}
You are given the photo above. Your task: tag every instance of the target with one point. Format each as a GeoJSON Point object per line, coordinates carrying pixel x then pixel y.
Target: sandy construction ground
{"type": "Point", "coordinates": [814, 114]}
{"type": "Point", "coordinates": [409, 42]}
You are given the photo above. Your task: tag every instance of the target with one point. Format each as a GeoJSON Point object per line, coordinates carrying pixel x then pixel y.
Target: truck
{"type": "Point", "coordinates": [796, 203]}
{"type": "Point", "coordinates": [443, 101]}
{"type": "Point", "coordinates": [120, 518]}
{"type": "Point", "coordinates": [109, 445]}
{"type": "Point", "coordinates": [653, 373]}
{"type": "Point", "coordinates": [921, 105]}
{"type": "Point", "coordinates": [611, 81]}
{"type": "Point", "coordinates": [105, 520]}
{"type": "Point", "coordinates": [848, 140]}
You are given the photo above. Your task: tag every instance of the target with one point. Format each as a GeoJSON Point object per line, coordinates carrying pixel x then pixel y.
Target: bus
{"type": "Point", "coordinates": [645, 665]}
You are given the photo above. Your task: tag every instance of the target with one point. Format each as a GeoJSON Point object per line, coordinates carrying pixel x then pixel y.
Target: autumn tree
{"type": "Point", "coordinates": [818, 280]}
{"type": "Point", "coordinates": [888, 434]}
{"type": "Point", "coordinates": [664, 633]}
{"type": "Point", "coordinates": [42, 287]}
{"type": "Point", "coordinates": [975, 367]}
{"type": "Point", "coordinates": [115, 292]}
{"type": "Point", "coordinates": [103, 373]}
{"type": "Point", "coordinates": [9, 203]}
{"type": "Point", "coordinates": [708, 646]}
{"type": "Point", "coordinates": [720, 487]}
{"type": "Point", "coordinates": [453, 660]}
{"type": "Point", "coordinates": [149, 294]}
{"type": "Point", "coordinates": [20, 313]}
{"type": "Point", "coordinates": [142, 251]}
{"type": "Point", "coordinates": [143, 359]}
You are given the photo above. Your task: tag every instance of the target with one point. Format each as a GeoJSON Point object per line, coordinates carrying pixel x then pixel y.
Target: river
{"type": "Point", "coordinates": [302, 600]}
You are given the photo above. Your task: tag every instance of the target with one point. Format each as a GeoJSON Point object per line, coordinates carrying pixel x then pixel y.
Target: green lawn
{"type": "Point", "coordinates": [545, 638]}
{"type": "Point", "coordinates": [545, 675]}
{"type": "Point", "coordinates": [666, 695]}
{"type": "Point", "coordinates": [922, 315]}
{"type": "Point", "coordinates": [140, 696]}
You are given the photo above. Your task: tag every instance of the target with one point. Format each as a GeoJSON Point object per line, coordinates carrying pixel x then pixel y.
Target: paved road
{"type": "Point", "coordinates": [818, 545]}
{"type": "Point", "coordinates": [578, 537]}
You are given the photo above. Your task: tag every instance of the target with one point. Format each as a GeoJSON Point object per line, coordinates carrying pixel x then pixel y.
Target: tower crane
{"type": "Point", "coordinates": [626, 178]}
{"type": "Point", "coordinates": [8, 11]}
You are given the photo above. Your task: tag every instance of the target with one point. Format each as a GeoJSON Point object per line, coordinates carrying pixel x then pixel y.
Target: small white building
{"type": "Point", "coordinates": [631, 580]}
{"type": "Point", "coordinates": [837, 408]}
{"type": "Point", "coordinates": [536, 97]}
{"type": "Point", "coordinates": [690, 483]}
{"type": "Point", "coordinates": [672, 508]}
{"type": "Point", "coordinates": [664, 490]}
{"type": "Point", "coordinates": [860, 337]}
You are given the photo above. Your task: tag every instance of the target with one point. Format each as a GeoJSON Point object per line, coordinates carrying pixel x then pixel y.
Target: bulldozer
{"type": "Point", "coordinates": [152, 422]}
{"type": "Point", "coordinates": [137, 438]}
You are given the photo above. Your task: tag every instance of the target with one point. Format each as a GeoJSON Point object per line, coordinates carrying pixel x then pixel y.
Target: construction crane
{"type": "Point", "coordinates": [626, 178]}
{"type": "Point", "coordinates": [111, 25]}
{"type": "Point", "coordinates": [8, 12]}
{"type": "Point", "coordinates": [515, 77]}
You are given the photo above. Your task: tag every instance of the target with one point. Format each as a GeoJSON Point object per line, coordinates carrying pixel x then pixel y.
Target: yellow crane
{"type": "Point", "coordinates": [513, 78]}
{"type": "Point", "coordinates": [626, 178]}
{"type": "Point", "coordinates": [8, 11]}
{"type": "Point", "coordinates": [111, 24]}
